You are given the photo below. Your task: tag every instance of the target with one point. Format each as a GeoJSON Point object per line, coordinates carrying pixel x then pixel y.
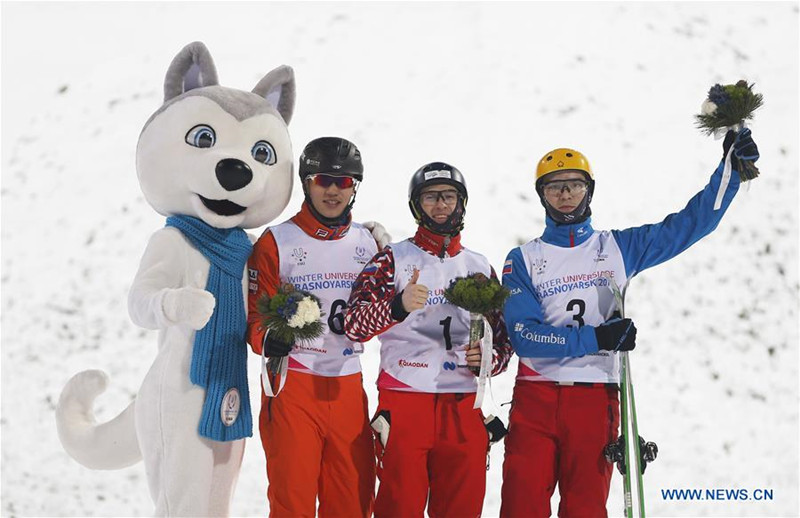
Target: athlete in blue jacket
{"type": "Point", "coordinates": [561, 322]}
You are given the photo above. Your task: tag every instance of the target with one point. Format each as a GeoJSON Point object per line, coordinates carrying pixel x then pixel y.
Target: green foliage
{"type": "Point", "coordinates": [727, 107]}
{"type": "Point", "coordinates": [735, 104]}
{"type": "Point", "coordinates": [476, 293]}
{"type": "Point", "coordinates": [276, 312]}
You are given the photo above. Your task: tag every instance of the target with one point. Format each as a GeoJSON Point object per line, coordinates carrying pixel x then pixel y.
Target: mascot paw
{"type": "Point", "coordinates": [382, 237]}
{"type": "Point", "coordinates": [190, 306]}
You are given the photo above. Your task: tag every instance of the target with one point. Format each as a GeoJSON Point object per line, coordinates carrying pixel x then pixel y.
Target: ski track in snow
{"type": "Point", "coordinates": [489, 88]}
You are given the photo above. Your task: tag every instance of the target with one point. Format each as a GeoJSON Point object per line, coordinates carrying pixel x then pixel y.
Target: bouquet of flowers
{"type": "Point", "coordinates": [727, 108]}
{"type": "Point", "coordinates": [292, 316]}
{"type": "Point", "coordinates": [479, 295]}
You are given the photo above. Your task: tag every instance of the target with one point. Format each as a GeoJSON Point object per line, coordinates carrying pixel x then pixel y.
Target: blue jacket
{"type": "Point", "coordinates": [639, 247]}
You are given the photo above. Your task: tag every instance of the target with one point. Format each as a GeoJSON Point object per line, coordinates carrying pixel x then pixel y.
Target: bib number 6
{"type": "Point", "coordinates": [336, 317]}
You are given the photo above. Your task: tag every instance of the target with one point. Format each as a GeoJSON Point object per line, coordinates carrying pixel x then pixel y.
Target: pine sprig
{"type": "Point", "coordinates": [290, 314]}
{"type": "Point", "coordinates": [477, 293]}
{"type": "Point", "coordinates": [728, 106]}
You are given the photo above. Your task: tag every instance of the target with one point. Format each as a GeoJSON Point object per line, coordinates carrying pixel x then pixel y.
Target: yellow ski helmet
{"type": "Point", "coordinates": [563, 159]}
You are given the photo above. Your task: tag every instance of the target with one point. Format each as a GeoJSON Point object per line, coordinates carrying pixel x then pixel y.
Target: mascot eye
{"type": "Point", "coordinates": [264, 152]}
{"type": "Point", "coordinates": [201, 136]}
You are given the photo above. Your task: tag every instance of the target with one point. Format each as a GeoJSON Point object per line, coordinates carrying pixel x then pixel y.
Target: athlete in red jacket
{"type": "Point", "coordinates": [315, 432]}
{"type": "Point", "coordinates": [436, 443]}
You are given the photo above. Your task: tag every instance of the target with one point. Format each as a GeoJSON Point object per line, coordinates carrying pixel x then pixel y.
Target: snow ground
{"type": "Point", "coordinates": [488, 87]}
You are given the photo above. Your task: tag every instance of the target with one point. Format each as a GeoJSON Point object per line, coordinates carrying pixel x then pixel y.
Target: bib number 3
{"type": "Point", "coordinates": [577, 315]}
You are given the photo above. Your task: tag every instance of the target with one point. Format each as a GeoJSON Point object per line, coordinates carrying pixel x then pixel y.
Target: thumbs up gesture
{"type": "Point", "coordinates": [414, 295]}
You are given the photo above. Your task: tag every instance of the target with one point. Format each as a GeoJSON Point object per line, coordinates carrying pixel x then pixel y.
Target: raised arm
{"type": "Point", "coordinates": [649, 245]}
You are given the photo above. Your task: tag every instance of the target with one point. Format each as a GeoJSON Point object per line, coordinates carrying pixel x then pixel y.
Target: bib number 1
{"type": "Point", "coordinates": [448, 343]}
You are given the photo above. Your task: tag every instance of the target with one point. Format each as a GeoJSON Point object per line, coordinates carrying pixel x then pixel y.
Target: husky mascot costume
{"type": "Point", "coordinates": [213, 160]}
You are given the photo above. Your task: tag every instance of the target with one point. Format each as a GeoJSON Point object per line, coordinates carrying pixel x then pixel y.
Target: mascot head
{"type": "Point", "coordinates": [218, 154]}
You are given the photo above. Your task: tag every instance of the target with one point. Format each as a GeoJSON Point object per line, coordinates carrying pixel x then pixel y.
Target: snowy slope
{"type": "Point", "coordinates": [487, 87]}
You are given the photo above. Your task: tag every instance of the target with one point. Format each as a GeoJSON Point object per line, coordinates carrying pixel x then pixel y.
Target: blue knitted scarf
{"type": "Point", "coordinates": [219, 357]}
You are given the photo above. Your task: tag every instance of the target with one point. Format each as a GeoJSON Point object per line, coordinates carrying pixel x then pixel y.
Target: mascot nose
{"type": "Point", "coordinates": [233, 174]}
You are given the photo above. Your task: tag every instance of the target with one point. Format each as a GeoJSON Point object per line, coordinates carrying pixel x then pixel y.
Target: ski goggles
{"type": "Point", "coordinates": [326, 180]}
{"type": "Point", "coordinates": [449, 197]}
{"type": "Point", "coordinates": [572, 186]}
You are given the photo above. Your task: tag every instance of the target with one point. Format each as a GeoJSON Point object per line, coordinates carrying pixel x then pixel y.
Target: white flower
{"type": "Point", "coordinates": [708, 108]}
{"type": "Point", "coordinates": [307, 313]}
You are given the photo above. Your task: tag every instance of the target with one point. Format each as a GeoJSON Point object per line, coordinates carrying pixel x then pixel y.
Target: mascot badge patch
{"type": "Point", "coordinates": [213, 160]}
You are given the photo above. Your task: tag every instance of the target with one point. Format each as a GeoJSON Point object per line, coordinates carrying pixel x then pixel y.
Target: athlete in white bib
{"type": "Point", "coordinates": [431, 443]}
{"type": "Point", "coordinates": [315, 432]}
{"type": "Point", "coordinates": [562, 324]}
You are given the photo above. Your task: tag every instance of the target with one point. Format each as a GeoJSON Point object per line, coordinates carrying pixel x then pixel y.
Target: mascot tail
{"type": "Point", "coordinates": [110, 445]}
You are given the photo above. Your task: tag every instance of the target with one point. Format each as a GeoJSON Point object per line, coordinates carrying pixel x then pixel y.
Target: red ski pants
{"type": "Point", "coordinates": [318, 443]}
{"type": "Point", "coordinates": [556, 434]}
{"type": "Point", "coordinates": [435, 453]}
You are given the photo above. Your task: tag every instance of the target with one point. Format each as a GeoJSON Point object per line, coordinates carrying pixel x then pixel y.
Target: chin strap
{"type": "Point", "coordinates": [579, 215]}
{"type": "Point", "coordinates": [451, 226]}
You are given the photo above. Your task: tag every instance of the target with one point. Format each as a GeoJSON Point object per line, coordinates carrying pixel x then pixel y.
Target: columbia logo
{"type": "Point", "coordinates": [518, 327]}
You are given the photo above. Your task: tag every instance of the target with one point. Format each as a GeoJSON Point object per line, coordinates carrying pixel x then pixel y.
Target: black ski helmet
{"type": "Point", "coordinates": [333, 156]}
{"type": "Point", "coordinates": [437, 173]}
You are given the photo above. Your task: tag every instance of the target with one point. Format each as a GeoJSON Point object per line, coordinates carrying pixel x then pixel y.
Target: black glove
{"type": "Point", "coordinates": [275, 348]}
{"type": "Point", "coordinates": [744, 148]}
{"type": "Point", "coordinates": [399, 313]}
{"type": "Point", "coordinates": [616, 335]}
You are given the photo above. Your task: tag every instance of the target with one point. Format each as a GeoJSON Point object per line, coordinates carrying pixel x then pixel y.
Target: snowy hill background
{"type": "Point", "coordinates": [487, 87]}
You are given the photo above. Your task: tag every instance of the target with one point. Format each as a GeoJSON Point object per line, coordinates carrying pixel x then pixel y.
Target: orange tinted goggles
{"type": "Point", "coordinates": [326, 180]}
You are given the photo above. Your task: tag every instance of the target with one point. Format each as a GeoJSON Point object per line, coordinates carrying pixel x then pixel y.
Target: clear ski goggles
{"type": "Point", "coordinates": [556, 187]}
{"type": "Point", "coordinates": [326, 180]}
{"type": "Point", "coordinates": [449, 197]}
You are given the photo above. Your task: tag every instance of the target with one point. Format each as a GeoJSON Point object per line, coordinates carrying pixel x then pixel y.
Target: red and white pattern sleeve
{"type": "Point", "coordinates": [369, 310]}
{"type": "Point", "coordinates": [501, 345]}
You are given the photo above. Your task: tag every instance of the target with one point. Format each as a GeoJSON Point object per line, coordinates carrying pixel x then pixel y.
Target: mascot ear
{"type": "Point", "coordinates": [277, 88]}
{"type": "Point", "coordinates": [191, 68]}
